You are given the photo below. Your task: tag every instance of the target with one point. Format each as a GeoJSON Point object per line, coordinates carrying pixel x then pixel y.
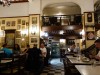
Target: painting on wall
{"type": "Point", "coordinates": [23, 44]}
{"type": "Point", "coordinates": [89, 18]}
{"type": "Point", "coordinates": [18, 34]}
{"type": "Point", "coordinates": [34, 20]}
{"type": "Point", "coordinates": [18, 41]}
{"type": "Point", "coordinates": [18, 27]}
{"type": "Point", "coordinates": [23, 22]}
{"type": "Point", "coordinates": [2, 27]}
{"type": "Point", "coordinates": [33, 40]}
{"type": "Point", "coordinates": [90, 35]}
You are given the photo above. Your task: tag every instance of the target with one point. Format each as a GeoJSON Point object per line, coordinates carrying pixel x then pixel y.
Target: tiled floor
{"type": "Point", "coordinates": [56, 67]}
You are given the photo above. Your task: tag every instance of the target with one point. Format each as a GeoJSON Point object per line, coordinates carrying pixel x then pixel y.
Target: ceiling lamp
{"type": "Point", "coordinates": [5, 2]}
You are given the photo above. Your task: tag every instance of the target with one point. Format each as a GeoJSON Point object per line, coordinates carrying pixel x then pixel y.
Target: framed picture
{"type": "Point", "coordinates": [34, 20]}
{"type": "Point", "coordinates": [3, 21]}
{"type": "Point", "coordinates": [65, 21]}
{"type": "Point", "coordinates": [8, 23]}
{"type": "Point", "coordinates": [23, 44]}
{"type": "Point", "coordinates": [27, 23]}
{"type": "Point", "coordinates": [19, 21]}
{"type": "Point", "coordinates": [18, 34]}
{"type": "Point", "coordinates": [13, 23]}
{"type": "Point", "coordinates": [89, 18]}
{"type": "Point", "coordinates": [2, 27]}
{"type": "Point", "coordinates": [23, 22]}
{"type": "Point", "coordinates": [90, 35]}
{"type": "Point", "coordinates": [33, 40]}
{"type": "Point", "coordinates": [18, 27]}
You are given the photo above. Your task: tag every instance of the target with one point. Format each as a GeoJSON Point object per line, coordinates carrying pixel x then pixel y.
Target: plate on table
{"type": "Point", "coordinates": [85, 59]}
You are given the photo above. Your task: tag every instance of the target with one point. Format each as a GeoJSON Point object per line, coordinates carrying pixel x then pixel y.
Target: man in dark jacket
{"type": "Point", "coordinates": [34, 61]}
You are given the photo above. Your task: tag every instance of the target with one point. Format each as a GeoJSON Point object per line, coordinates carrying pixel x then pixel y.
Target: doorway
{"type": "Point", "coordinates": [10, 38]}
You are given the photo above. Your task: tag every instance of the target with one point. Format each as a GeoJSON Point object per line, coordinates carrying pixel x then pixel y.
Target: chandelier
{"type": "Point", "coordinates": [5, 2]}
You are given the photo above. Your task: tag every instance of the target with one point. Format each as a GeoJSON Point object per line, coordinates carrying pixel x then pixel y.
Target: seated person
{"type": "Point", "coordinates": [16, 49]}
{"type": "Point", "coordinates": [97, 45]}
{"type": "Point", "coordinates": [7, 51]}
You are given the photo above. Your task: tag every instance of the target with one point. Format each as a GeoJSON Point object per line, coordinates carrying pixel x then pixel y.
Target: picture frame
{"type": "Point", "coordinates": [18, 34]}
{"type": "Point", "coordinates": [3, 21]}
{"type": "Point", "coordinates": [8, 23]}
{"type": "Point", "coordinates": [2, 27]}
{"type": "Point", "coordinates": [23, 22]}
{"type": "Point", "coordinates": [23, 44]}
{"type": "Point", "coordinates": [19, 21]}
{"type": "Point", "coordinates": [13, 23]}
{"type": "Point", "coordinates": [34, 20]}
{"type": "Point", "coordinates": [90, 35]}
{"type": "Point", "coordinates": [33, 40]}
{"type": "Point", "coordinates": [18, 41]}
{"type": "Point", "coordinates": [65, 21]}
{"type": "Point", "coordinates": [89, 18]}
{"type": "Point", "coordinates": [18, 27]}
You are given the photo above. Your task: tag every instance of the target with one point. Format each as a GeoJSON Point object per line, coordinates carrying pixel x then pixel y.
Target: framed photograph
{"type": "Point", "coordinates": [34, 20]}
{"type": "Point", "coordinates": [19, 21]}
{"type": "Point", "coordinates": [13, 23]}
{"type": "Point", "coordinates": [18, 34]}
{"type": "Point", "coordinates": [27, 23]}
{"type": "Point", "coordinates": [2, 27]}
{"type": "Point", "coordinates": [8, 23]}
{"type": "Point", "coordinates": [18, 27]}
{"type": "Point", "coordinates": [3, 21]}
{"type": "Point", "coordinates": [90, 35]}
{"type": "Point", "coordinates": [89, 18]}
{"type": "Point", "coordinates": [33, 40]}
{"type": "Point", "coordinates": [23, 22]}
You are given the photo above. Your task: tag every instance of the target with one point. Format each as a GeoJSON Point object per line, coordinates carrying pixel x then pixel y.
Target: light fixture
{"type": "Point", "coordinates": [5, 2]}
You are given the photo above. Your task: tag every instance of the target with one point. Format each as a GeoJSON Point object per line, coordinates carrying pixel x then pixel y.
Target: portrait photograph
{"type": "Point", "coordinates": [90, 35]}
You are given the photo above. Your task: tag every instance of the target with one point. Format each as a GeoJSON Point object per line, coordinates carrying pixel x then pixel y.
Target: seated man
{"type": "Point", "coordinates": [97, 44]}
{"type": "Point", "coordinates": [7, 51]}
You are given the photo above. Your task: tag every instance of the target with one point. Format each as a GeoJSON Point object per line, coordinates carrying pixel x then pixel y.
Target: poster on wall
{"type": "Point", "coordinates": [89, 18]}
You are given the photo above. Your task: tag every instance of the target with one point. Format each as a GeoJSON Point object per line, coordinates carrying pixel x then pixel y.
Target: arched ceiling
{"type": "Point", "coordinates": [66, 8]}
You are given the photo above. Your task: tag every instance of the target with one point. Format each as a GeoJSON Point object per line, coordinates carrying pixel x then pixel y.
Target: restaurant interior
{"type": "Point", "coordinates": [59, 25]}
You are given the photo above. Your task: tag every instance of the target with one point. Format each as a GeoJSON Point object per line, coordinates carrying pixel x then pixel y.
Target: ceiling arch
{"type": "Point", "coordinates": [67, 8]}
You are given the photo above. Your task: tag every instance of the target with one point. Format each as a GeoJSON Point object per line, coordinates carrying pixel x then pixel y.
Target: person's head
{"type": "Point", "coordinates": [42, 45]}
{"type": "Point", "coordinates": [28, 46]}
{"type": "Point", "coordinates": [4, 45]}
{"type": "Point", "coordinates": [35, 45]}
{"type": "Point", "coordinates": [97, 43]}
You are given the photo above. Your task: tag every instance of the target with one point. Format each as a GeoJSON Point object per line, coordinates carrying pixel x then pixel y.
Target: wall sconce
{"type": "Point", "coordinates": [33, 30]}
{"type": "Point", "coordinates": [24, 33]}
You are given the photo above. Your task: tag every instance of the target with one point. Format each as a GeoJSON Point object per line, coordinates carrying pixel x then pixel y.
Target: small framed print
{"type": "Point", "coordinates": [2, 27]}
{"type": "Point", "coordinates": [90, 35]}
{"type": "Point", "coordinates": [18, 34]}
{"type": "Point", "coordinates": [23, 22]}
{"type": "Point", "coordinates": [34, 20]}
{"type": "Point", "coordinates": [3, 21]}
{"type": "Point", "coordinates": [19, 21]}
{"type": "Point", "coordinates": [27, 23]}
{"type": "Point", "coordinates": [8, 23]}
{"type": "Point", "coordinates": [13, 23]}
{"type": "Point", "coordinates": [89, 18]}
{"type": "Point", "coordinates": [33, 40]}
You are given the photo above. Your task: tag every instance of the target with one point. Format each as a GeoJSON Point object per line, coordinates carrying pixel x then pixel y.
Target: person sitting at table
{"type": "Point", "coordinates": [97, 45]}
{"type": "Point", "coordinates": [73, 49]}
{"type": "Point", "coordinates": [16, 49]}
{"type": "Point", "coordinates": [7, 51]}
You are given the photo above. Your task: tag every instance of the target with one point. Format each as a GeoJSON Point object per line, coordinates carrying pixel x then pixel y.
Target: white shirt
{"type": "Point", "coordinates": [98, 54]}
{"type": "Point", "coordinates": [44, 51]}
